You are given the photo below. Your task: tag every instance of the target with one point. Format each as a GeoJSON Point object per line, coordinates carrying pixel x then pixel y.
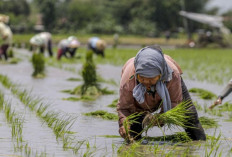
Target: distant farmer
{"type": "Point", "coordinates": [6, 36]}
{"type": "Point", "coordinates": [149, 81]}
{"type": "Point", "coordinates": [69, 45]}
{"type": "Point", "coordinates": [97, 45]}
{"type": "Point", "coordinates": [42, 40]}
{"type": "Point", "coordinates": [226, 91]}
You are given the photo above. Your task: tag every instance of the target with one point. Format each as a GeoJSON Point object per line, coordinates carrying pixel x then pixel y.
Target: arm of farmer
{"type": "Point", "coordinates": [226, 91]}
{"type": "Point", "coordinates": [124, 107]}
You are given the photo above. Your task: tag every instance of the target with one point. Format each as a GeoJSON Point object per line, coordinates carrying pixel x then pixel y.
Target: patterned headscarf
{"type": "Point", "coordinates": [149, 62]}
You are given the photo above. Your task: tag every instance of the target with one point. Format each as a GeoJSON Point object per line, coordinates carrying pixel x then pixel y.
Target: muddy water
{"type": "Point", "coordinates": [85, 127]}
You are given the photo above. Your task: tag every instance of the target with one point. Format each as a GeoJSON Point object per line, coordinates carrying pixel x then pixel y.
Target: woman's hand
{"type": "Point", "coordinates": [218, 101]}
{"type": "Point", "coordinates": [122, 132]}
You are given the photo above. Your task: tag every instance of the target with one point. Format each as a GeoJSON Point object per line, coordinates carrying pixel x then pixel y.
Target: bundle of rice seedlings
{"type": "Point", "coordinates": [38, 62]}
{"type": "Point", "coordinates": [127, 123]}
{"type": "Point", "coordinates": [204, 94]}
{"type": "Point", "coordinates": [177, 116]}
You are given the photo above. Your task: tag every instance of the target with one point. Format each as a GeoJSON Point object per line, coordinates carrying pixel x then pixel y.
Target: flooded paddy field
{"type": "Point", "coordinates": [39, 107]}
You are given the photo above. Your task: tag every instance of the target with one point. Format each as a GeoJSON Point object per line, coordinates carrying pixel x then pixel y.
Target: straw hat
{"type": "Point", "coordinates": [100, 45]}
{"type": "Point", "coordinates": [4, 18]}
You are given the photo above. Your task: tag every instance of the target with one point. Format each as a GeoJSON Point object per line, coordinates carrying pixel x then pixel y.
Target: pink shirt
{"type": "Point", "coordinates": [127, 104]}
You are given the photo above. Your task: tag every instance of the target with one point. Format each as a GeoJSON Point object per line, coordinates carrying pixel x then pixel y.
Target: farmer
{"type": "Point", "coordinates": [42, 40]}
{"type": "Point", "coordinates": [148, 80]}
{"type": "Point", "coordinates": [6, 36]}
{"type": "Point", "coordinates": [97, 45]}
{"type": "Point", "coordinates": [69, 45]}
{"type": "Point", "coordinates": [226, 91]}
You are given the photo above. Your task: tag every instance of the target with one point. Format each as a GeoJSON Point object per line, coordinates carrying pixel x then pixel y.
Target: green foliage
{"type": "Point", "coordinates": [10, 53]}
{"type": "Point", "coordinates": [113, 104]}
{"type": "Point", "coordinates": [103, 114]}
{"type": "Point", "coordinates": [204, 94]}
{"type": "Point", "coordinates": [177, 137]}
{"type": "Point", "coordinates": [89, 72]}
{"type": "Point", "coordinates": [177, 116]}
{"type": "Point", "coordinates": [38, 65]}
{"type": "Point", "coordinates": [207, 122]}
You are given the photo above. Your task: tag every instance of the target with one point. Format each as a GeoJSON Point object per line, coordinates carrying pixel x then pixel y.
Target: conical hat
{"type": "Point", "coordinates": [101, 45]}
{"type": "Point", "coordinates": [4, 18]}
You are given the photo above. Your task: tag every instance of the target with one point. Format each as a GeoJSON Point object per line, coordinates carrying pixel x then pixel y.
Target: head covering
{"type": "Point", "coordinates": [100, 45]}
{"type": "Point", "coordinates": [74, 44]}
{"type": "Point", "coordinates": [4, 18]}
{"type": "Point", "coordinates": [149, 62]}
{"type": "Point", "coordinates": [36, 40]}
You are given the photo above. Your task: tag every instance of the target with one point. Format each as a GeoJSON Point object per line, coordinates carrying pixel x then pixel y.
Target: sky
{"type": "Point", "coordinates": [224, 5]}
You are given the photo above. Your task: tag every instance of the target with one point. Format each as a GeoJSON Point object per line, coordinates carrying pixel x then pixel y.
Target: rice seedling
{"type": "Point", "coordinates": [110, 136]}
{"type": "Point", "coordinates": [103, 114]}
{"type": "Point", "coordinates": [60, 125]}
{"type": "Point", "coordinates": [74, 79]}
{"type": "Point", "coordinates": [113, 104]}
{"type": "Point", "coordinates": [204, 94]}
{"type": "Point", "coordinates": [177, 116]}
{"type": "Point", "coordinates": [208, 122]}
{"type": "Point", "coordinates": [38, 65]}
{"type": "Point", "coordinates": [198, 106]}
{"type": "Point", "coordinates": [10, 53]}
{"type": "Point", "coordinates": [177, 137]}
{"type": "Point", "coordinates": [90, 89]}
{"type": "Point", "coordinates": [214, 146]}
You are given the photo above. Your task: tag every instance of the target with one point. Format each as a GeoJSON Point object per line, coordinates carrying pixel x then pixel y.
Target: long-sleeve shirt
{"type": "Point", "coordinates": [41, 39]}
{"type": "Point", "coordinates": [6, 34]}
{"type": "Point", "coordinates": [127, 105]}
{"type": "Point", "coordinates": [226, 91]}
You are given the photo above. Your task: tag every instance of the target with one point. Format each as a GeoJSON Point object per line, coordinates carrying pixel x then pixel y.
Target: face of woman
{"type": "Point", "coordinates": [148, 82]}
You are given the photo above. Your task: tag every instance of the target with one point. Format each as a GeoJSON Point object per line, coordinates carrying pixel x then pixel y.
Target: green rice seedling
{"type": "Point", "coordinates": [1, 100]}
{"type": "Point", "coordinates": [38, 63]}
{"type": "Point", "coordinates": [14, 60]}
{"type": "Point", "coordinates": [177, 116]}
{"type": "Point", "coordinates": [127, 123]}
{"type": "Point", "coordinates": [74, 79]}
{"type": "Point", "coordinates": [10, 53]}
{"type": "Point", "coordinates": [204, 94]}
{"type": "Point", "coordinates": [208, 122]}
{"type": "Point", "coordinates": [214, 146]}
{"type": "Point", "coordinates": [198, 106]}
{"type": "Point", "coordinates": [110, 136]}
{"type": "Point", "coordinates": [113, 104]}
{"type": "Point", "coordinates": [225, 107]}
{"type": "Point", "coordinates": [50, 118]}
{"type": "Point", "coordinates": [103, 114]}
{"type": "Point", "coordinates": [41, 109]}
{"type": "Point", "coordinates": [177, 137]}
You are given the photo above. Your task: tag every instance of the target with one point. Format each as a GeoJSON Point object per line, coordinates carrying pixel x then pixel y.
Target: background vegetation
{"type": "Point", "coordinates": [146, 17]}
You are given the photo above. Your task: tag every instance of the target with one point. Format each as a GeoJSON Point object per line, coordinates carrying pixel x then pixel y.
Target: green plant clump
{"type": "Point", "coordinates": [177, 137]}
{"type": "Point", "coordinates": [176, 116]}
{"type": "Point", "coordinates": [208, 122]}
{"type": "Point", "coordinates": [103, 114]}
{"type": "Point", "coordinates": [113, 104]}
{"type": "Point", "coordinates": [38, 65]}
{"type": "Point", "coordinates": [204, 94]}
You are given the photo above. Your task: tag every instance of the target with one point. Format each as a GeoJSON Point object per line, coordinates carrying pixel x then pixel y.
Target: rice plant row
{"type": "Point", "coordinates": [60, 124]}
{"type": "Point", "coordinates": [16, 122]}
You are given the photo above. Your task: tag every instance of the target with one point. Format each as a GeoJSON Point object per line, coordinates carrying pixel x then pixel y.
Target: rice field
{"type": "Point", "coordinates": [37, 118]}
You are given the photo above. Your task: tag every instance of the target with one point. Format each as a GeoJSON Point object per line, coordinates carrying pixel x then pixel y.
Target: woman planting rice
{"type": "Point", "coordinates": [151, 81]}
